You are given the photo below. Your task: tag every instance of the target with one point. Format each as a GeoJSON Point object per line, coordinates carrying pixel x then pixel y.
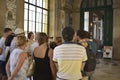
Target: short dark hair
{"type": "Point", "coordinates": [9, 39]}
{"type": "Point", "coordinates": [7, 30]}
{"type": "Point", "coordinates": [29, 35]}
{"type": "Point", "coordinates": [68, 33]}
{"type": "Point", "coordinates": [81, 34]}
{"type": "Point", "coordinates": [87, 34]}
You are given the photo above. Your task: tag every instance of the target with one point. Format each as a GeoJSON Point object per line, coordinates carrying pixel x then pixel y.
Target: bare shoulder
{"type": "Point", "coordinates": [35, 50]}
{"type": "Point", "coordinates": [24, 54]}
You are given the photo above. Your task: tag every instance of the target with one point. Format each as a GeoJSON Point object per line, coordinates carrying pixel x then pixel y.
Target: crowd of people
{"type": "Point", "coordinates": [66, 58]}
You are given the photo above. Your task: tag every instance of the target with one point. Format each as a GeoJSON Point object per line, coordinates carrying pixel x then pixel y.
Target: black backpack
{"type": "Point", "coordinates": [91, 62]}
{"type": "Point", "coordinates": [7, 43]}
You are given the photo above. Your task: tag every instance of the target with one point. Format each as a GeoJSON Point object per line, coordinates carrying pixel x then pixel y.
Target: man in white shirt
{"type": "Point", "coordinates": [6, 33]}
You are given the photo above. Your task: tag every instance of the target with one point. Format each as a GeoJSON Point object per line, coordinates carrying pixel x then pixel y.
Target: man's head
{"type": "Point", "coordinates": [7, 31]}
{"type": "Point", "coordinates": [68, 33]}
{"type": "Point", "coordinates": [81, 34]}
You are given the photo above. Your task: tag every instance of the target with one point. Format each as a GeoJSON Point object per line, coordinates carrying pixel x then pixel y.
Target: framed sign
{"type": "Point", "coordinates": [108, 52]}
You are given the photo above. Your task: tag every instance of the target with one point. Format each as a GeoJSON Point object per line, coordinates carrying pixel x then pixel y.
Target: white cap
{"type": "Point", "coordinates": [18, 31]}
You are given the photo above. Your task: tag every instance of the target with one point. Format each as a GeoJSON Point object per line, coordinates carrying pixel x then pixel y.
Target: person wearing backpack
{"type": "Point", "coordinates": [6, 33]}
{"type": "Point", "coordinates": [7, 44]}
{"type": "Point", "coordinates": [90, 64]}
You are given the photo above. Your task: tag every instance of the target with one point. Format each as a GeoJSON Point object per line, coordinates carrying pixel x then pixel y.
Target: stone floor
{"type": "Point", "coordinates": [107, 70]}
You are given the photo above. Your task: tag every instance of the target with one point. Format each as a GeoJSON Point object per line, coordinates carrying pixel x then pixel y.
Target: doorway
{"type": "Point", "coordinates": [96, 17]}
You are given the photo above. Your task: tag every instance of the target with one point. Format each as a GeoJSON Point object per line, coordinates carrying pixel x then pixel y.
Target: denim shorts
{"type": "Point", "coordinates": [2, 68]}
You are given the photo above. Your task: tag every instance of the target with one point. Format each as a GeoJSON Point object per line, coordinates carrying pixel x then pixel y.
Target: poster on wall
{"type": "Point", "coordinates": [108, 52]}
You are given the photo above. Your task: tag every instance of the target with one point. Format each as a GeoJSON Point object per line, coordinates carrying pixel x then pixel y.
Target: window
{"type": "Point", "coordinates": [86, 21]}
{"type": "Point", "coordinates": [36, 16]}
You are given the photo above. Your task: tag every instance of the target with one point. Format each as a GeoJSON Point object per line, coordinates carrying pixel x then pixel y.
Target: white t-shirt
{"type": "Point", "coordinates": [2, 45]}
{"type": "Point", "coordinates": [7, 50]}
{"type": "Point", "coordinates": [14, 57]}
{"type": "Point", "coordinates": [32, 47]}
{"type": "Point", "coordinates": [13, 44]}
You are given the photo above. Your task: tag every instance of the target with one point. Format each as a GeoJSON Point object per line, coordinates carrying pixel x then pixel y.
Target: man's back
{"type": "Point", "coordinates": [69, 58]}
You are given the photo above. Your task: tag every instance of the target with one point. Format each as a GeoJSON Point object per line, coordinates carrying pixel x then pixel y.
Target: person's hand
{"type": "Point", "coordinates": [10, 78]}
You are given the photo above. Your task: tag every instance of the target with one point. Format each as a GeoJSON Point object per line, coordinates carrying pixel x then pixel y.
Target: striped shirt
{"type": "Point", "coordinates": [69, 58]}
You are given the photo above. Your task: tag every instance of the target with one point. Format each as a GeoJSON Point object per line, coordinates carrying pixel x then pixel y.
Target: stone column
{"type": "Point", "coordinates": [116, 29]}
{"type": "Point", "coordinates": [52, 18]}
{"type": "Point", "coordinates": [20, 13]}
{"type": "Point", "coordinates": [76, 14]}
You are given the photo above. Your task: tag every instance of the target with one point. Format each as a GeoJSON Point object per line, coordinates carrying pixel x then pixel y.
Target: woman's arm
{"type": "Point", "coordinates": [20, 62]}
{"type": "Point", "coordinates": [8, 68]}
{"type": "Point", "coordinates": [0, 51]}
{"type": "Point", "coordinates": [52, 65]}
{"type": "Point", "coordinates": [83, 65]}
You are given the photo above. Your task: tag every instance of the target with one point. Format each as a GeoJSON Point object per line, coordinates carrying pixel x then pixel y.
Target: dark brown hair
{"type": "Point", "coordinates": [29, 35]}
{"type": "Point", "coordinates": [83, 34]}
{"type": "Point", "coordinates": [58, 40]}
{"type": "Point", "coordinates": [41, 37]}
{"type": "Point", "coordinates": [7, 30]}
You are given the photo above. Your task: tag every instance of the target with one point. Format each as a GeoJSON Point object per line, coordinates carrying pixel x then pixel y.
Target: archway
{"type": "Point", "coordinates": [96, 16]}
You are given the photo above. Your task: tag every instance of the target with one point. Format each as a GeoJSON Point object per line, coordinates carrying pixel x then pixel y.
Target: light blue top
{"type": "Point", "coordinates": [13, 44]}
{"type": "Point", "coordinates": [21, 75]}
{"type": "Point", "coordinates": [32, 47]}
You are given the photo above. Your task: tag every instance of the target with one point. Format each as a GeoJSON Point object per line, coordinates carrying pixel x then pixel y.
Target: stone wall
{"type": "Point", "coordinates": [65, 13]}
{"type": "Point", "coordinates": [2, 15]}
{"type": "Point", "coordinates": [116, 29]}
{"type": "Point", "coordinates": [59, 13]}
{"type": "Point", "coordinates": [11, 14]}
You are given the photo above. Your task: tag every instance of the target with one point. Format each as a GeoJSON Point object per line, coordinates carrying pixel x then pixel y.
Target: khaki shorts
{"type": "Point", "coordinates": [64, 79]}
{"type": "Point", "coordinates": [85, 78]}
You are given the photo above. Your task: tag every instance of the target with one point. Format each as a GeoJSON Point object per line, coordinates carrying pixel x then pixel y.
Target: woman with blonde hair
{"type": "Point", "coordinates": [18, 63]}
{"type": "Point", "coordinates": [44, 65]}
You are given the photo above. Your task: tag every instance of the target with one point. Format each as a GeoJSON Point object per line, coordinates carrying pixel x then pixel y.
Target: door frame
{"type": "Point", "coordinates": [108, 20]}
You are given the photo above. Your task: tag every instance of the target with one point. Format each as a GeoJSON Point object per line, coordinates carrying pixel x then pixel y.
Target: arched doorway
{"type": "Point", "coordinates": [96, 16]}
